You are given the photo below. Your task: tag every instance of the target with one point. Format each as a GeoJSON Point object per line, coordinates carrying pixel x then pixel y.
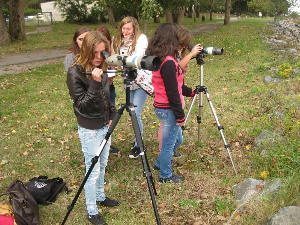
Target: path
{"type": "Point", "coordinates": [21, 62]}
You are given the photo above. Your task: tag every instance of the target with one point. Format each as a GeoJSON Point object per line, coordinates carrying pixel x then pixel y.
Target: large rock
{"type": "Point", "coordinates": [251, 188]}
{"type": "Point", "coordinates": [247, 189]}
{"type": "Point", "coordinates": [289, 215]}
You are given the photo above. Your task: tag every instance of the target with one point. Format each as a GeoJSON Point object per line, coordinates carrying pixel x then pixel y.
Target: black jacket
{"type": "Point", "coordinates": [90, 99]}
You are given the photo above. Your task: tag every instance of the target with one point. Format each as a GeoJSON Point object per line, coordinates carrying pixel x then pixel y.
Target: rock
{"type": "Point", "coordinates": [285, 38]}
{"type": "Point", "coordinates": [272, 186]}
{"type": "Point", "coordinates": [269, 79]}
{"type": "Point", "coordinates": [289, 215]}
{"type": "Point", "coordinates": [247, 189]}
{"type": "Point", "coordinates": [297, 71]}
{"type": "Point", "coordinates": [251, 188]}
{"type": "Point", "coordinates": [267, 137]}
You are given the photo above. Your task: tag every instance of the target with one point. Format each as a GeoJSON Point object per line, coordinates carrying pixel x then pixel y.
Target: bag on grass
{"type": "Point", "coordinates": [25, 208]}
{"type": "Point", "coordinates": [45, 190]}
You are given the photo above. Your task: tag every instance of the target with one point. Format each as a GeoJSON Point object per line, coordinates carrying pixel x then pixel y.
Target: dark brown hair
{"type": "Point", "coordinates": [184, 38]}
{"type": "Point", "coordinates": [75, 48]}
{"type": "Point", "coordinates": [164, 42]}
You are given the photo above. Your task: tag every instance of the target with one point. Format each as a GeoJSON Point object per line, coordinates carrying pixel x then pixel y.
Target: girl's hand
{"type": "Point", "coordinates": [97, 74]}
{"type": "Point", "coordinates": [196, 50]}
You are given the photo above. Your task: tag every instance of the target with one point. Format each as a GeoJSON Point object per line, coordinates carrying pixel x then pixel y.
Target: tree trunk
{"type": "Point", "coordinates": [156, 19]}
{"type": "Point", "coordinates": [169, 17]}
{"type": "Point", "coordinates": [190, 11]}
{"type": "Point", "coordinates": [197, 11]}
{"type": "Point", "coordinates": [111, 17]}
{"type": "Point", "coordinates": [210, 15]}
{"type": "Point", "coordinates": [16, 19]}
{"type": "Point", "coordinates": [178, 15]}
{"type": "Point", "coordinates": [227, 12]}
{"type": "Point", "coordinates": [4, 36]}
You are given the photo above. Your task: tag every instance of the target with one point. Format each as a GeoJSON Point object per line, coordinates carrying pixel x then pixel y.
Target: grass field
{"type": "Point", "coordinates": [39, 136]}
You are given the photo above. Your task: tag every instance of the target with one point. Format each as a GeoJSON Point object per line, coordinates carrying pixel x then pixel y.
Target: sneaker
{"type": "Point", "coordinates": [109, 202]}
{"type": "Point", "coordinates": [177, 154]}
{"type": "Point", "coordinates": [134, 152]}
{"type": "Point", "coordinates": [173, 179]}
{"type": "Point", "coordinates": [96, 219]}
{"type": "Point", "coordinates": [114, 150]}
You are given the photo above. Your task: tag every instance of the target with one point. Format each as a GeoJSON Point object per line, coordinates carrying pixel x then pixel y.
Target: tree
{"type": "Point", "coordinates": [150, 9]}
{"type": "Point", "coordinates": [174, 9]}
{"type": "Point", "coordinates": [240, 6]}
{"type": "Point", "coordinates": [4, 36]}
{"type": "Point", "coordinates": [270, 7]}
{"type": "Point", "coordinates": [16, 19]}
{"type": "Point", "coordinates": [227, 12]}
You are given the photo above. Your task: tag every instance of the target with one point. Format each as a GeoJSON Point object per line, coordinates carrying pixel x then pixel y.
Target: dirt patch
{"type": "Point", "coordinates": [22, 62]}
{"type": "Point", "coordinates": [205, 28]}
{"type": "Point", "coordinates": [20, 68]}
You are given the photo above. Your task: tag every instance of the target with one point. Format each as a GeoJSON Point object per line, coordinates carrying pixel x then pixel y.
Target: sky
{"type": "Point", "coordinates": [297, 7]}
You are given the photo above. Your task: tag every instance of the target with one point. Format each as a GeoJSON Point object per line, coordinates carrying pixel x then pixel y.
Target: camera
{"type": "Point", "coordinates": [206, 51]}
{"type": "Point", "coordinates": [209, 50]}
{"type": "Point", "coordinates": [213, 51]}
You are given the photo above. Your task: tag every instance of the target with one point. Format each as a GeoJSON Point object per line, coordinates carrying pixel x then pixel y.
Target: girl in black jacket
{"type": "Point", "coordinates": [89, 90]}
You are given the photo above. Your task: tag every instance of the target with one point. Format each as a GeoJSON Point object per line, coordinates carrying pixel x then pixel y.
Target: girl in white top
{"type": "Point", "coordinates": [130, 41]}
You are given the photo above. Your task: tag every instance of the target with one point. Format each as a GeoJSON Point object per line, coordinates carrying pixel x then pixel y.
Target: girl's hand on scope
{"type": "Point", "coordinates": [196, 50]}
{"type": "Point", "coordinates": [97, 74]}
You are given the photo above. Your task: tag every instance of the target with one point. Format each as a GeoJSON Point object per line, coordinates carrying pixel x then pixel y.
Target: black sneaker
{"type": "Point", "coordinates": [177, 154]}
{"type": "Point", "coordinates": [114, 150]}
{"type": "Point", "coordinates": [134, 152]}
{"type": "Point", "coordinates": [173, 179]}
{"type": "Point", "coordinates": [109, 202]}
{"type": "Point", "coordinates": [96, 219]}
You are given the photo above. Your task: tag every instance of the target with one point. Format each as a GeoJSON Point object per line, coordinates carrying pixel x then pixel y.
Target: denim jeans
{"type": "Point", "coordinates": [94, 187]}
{"type": "Point", "coordinates": [171, 138]}
{"type": "Point", "coordinates": [138, 98]}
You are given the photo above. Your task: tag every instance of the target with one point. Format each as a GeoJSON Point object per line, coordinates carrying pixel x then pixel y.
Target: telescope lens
{"type": "Point", "coordinates": [151, 63]}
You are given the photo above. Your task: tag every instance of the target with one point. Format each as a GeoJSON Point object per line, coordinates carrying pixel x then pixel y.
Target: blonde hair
{"type": "Point", "coordinates": [136, 33]}
{"type": "Point", "coordinates": [87, 54]}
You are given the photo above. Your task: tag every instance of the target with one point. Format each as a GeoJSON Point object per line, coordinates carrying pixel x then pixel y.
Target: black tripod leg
{"type": "Point", "coordinates": [94, 161]}
{"type": "Point", "coordinates": [220, 128]}
{"type": "Point", "coordinates": [146, 168]}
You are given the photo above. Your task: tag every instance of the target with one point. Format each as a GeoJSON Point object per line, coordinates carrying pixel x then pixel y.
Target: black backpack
{"type": "Point", "coordinates": [25, 208]}
{"type": "Point", "coordinates": [45, 190]}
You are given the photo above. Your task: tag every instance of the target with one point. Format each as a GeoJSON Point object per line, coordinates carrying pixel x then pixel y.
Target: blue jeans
{"type": "Point", "coordinates": [138, 98]}
{"type": "Point", "coordinates": [94, 187]}
{"type": "Point", "coordinates": [171, 139]}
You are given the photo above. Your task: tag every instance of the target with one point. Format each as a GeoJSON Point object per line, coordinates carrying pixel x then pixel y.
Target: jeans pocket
{"type": "Point", "coordinates": [161, 114]}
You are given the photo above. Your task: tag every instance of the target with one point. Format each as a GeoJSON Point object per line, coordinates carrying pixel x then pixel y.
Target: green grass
{"type": "Point", "coordinates": [61, 33]}
{"type": "Point", "coordinates": [39, 135]}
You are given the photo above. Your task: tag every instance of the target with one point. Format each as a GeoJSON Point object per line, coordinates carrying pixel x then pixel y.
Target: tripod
{"type": "Point", "coordinates": [138, 137]}
{"type": "Point", "coordinates": [202, 90]}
